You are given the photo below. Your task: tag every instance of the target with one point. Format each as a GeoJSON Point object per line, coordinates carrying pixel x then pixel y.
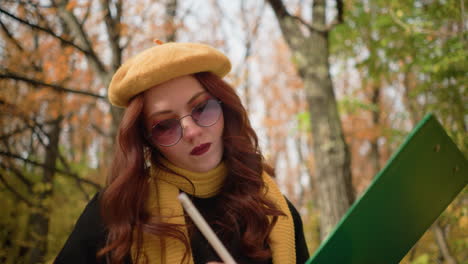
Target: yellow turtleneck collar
{"type": "Point", "coordinates": [199, 184]}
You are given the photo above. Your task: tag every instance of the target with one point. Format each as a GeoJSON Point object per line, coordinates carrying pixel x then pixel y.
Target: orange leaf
{"type": "Point", "coordinates": [72, 4]}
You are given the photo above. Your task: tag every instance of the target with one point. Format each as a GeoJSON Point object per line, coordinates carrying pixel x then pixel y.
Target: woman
{"type": "Point", "coordinates": [184, 130]}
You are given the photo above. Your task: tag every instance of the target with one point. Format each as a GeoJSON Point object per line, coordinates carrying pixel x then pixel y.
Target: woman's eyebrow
{"type": "Point", "coordinates": [195, 96]}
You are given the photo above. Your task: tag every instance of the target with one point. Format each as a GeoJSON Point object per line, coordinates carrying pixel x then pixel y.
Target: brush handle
{"type": "Point", "coordinates": [205, 229]}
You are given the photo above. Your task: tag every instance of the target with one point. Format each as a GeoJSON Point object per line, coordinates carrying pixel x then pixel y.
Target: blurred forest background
{"type": "Point", "coordinates": [332, 88]}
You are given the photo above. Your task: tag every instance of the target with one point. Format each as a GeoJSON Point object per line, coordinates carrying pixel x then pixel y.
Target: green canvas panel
{"type": "Point", "coordinates": [401, 203]}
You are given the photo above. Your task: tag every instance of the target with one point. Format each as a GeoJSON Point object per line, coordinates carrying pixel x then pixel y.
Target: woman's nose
{"type": "Point", "coordinates": [190, 128]}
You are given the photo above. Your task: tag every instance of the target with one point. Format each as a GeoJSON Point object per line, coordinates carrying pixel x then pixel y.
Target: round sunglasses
{"type": "Point", "coordinates": [168, 132]}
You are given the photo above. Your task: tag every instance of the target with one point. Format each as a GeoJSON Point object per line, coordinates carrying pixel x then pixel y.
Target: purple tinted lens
{"type": "Point", "coordinates": [167, 132]}
{"type": "Point", "coordinates": [207, 114]}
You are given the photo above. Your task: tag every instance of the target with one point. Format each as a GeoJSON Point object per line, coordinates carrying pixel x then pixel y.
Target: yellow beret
{"type": "Point", "coordinates": [162, 63]}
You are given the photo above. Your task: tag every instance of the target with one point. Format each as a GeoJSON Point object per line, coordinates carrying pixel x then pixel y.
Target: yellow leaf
{"type": "Point", "coordinates": [464, 222]}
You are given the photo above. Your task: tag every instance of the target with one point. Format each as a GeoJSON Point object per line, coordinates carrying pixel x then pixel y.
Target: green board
{"type": "Point", "coordinates": [404, 199]}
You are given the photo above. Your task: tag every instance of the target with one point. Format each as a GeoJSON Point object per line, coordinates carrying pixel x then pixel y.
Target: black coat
{"type": "Point", "coordinates": [89, 235]}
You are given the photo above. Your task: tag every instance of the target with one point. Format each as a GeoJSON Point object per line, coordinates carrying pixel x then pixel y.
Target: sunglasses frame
{"type": "Point", "coordinates": [149, 134]}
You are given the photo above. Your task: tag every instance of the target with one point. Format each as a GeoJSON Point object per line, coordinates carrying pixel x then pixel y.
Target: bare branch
{"type": "Point", "coordinates": [42, 19]}
{"type": "Point", "coordinates": [17, 194]}
{"type": "Point", "coordinates": [258, 20]}
{"type": "Point", "coordinates": [280, 10]}
{"type": "Point", "coordinates": [251, 35]}
{"type": "Point", "coordinates": [14, 132]}
{"type": "Point", "coordinates": [71, 21]}
{"type": "Point", "coordinates": [27, 121]}
{"type": "Point", "coordinates": [41, 141]}
{"type": "Point", "coordinates": [35, 163]}
{"type": "Point", "coordinates": [18, 174]}
{"type": "Point", "coordinates": [10, 36]}
{"type": "Point", "coordinates": [99, 130]}
{"type": "Point", "coordinates": [113, 32]}
{"type": "Point", "coordinates": [15, 76]}
{"type": "Point", "coordinates": [46, 30]}
{"type": "Point", "coordinates": [86, 15]}
{"type": "Point", "coordinates": [282, 14]}
{"type": "Point", "coordinates": [288, 24]}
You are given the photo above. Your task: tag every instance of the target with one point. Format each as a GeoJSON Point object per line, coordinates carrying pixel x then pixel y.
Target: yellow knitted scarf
{"type": "Point", "coordinates": [164, 189]}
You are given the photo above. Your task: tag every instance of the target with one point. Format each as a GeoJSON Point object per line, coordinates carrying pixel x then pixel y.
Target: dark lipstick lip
{"type": "Point", "coordinates": [200, 149]}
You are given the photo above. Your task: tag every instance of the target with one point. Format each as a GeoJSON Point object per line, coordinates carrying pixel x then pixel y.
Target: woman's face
{"type": "Point", "coordinates": [200, 149]}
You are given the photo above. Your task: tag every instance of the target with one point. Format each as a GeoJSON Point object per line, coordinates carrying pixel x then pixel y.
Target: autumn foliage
{"type": "Point", "coordinates": [390, 63]}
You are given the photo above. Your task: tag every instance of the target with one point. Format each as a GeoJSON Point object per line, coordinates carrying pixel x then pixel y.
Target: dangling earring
{"type": "Point", "coordinates": [147, 157]}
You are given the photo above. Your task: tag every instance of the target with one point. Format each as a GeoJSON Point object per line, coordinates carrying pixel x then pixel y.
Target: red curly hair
{"type": "Point", "coordinates": [243, 204]}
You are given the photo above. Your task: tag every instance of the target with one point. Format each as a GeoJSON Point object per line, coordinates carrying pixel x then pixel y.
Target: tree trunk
{"type": "Point", "coordinates": [374, 155]}
{"type": "Point", "coordinates": [334, 192]}
{"type": "Point", "coordinates": [441, 240]}
{"type": "Point", "coordinates": [171, 12]}
{"type": "Point", "coordinates": [39, 219]}
{"type": "Point", "coordinates": [334, 186]}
